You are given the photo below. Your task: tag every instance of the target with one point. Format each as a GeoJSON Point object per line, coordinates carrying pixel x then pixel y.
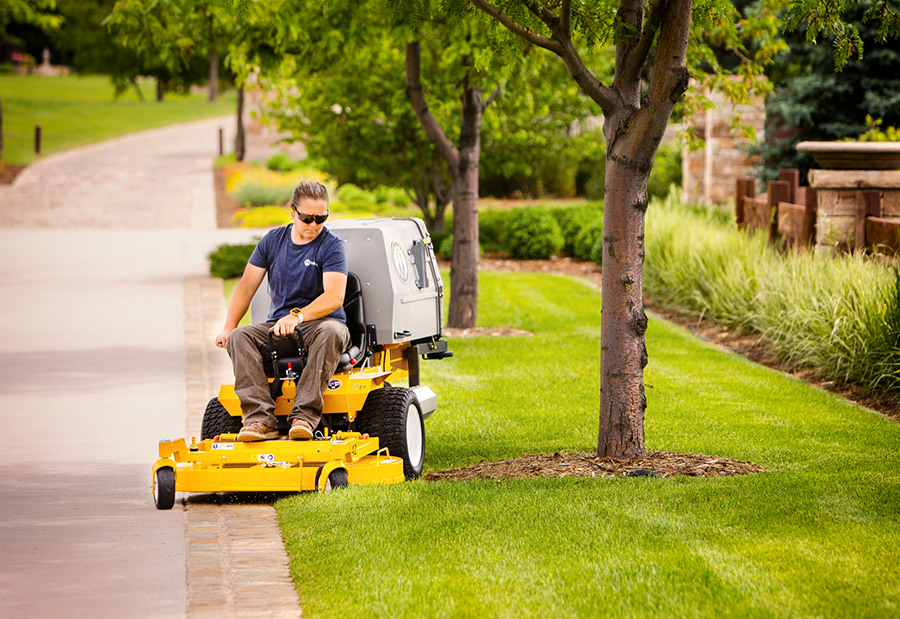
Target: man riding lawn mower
{"type": "Point", "coordinates": [364, 430]}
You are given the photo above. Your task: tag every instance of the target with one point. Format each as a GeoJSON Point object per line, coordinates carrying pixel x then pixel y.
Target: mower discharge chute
{"type": "Point", "coordinates": [370, 432]}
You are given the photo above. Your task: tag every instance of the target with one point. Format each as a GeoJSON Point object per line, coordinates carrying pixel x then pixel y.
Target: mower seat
{"type": "Point", "coordinates": [356, 323]}
{"type": "Point", "coordinates": [291, 351]}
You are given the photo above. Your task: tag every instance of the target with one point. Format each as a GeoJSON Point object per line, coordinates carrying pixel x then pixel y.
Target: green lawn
{"type": "Point", "coordinates": [818, 535]}
{"type": "Point", "coordinates": [77, 110]}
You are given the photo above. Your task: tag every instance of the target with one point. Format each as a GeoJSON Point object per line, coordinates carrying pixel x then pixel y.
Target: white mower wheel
{"type": "Point", "coordinates": [394, 416]}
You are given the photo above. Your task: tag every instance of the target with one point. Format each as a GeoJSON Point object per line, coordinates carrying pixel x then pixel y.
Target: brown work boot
{"type": "Point", "coordinates": [300, 430]}
{"type": "Point", "coordinates": [257, 431]}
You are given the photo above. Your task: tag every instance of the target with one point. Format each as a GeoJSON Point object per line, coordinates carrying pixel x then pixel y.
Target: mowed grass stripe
{"type": "Point", "coordinates": [816, 535]}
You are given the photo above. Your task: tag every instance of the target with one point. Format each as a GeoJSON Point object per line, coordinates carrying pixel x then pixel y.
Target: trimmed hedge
{"type": "Point", "coordinates": [229, 261]}
{"type": "Point", "coordinates": [532, 234]}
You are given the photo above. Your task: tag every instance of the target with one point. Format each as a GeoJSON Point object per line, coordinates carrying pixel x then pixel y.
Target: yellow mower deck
{"type": "Point", "coordinates": [225, 465]}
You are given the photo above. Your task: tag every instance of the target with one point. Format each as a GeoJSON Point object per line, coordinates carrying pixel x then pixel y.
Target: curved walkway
{"type": "Point", "coordinates": [105, 307]}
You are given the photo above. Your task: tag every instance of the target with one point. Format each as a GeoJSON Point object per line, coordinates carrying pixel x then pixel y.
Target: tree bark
{"type": "Point", "coordinates": [213, 76]}
{"type": "Point", "coordinates": [464, 262]}
{"type": "Point", "coordinates": [634, 125]}
{"type": "Point", "coordinates": [623, 350]}
{"type": "Point", "coordinates": [463, 164]}
{"type": "Point", "coordinates": [239, 138]}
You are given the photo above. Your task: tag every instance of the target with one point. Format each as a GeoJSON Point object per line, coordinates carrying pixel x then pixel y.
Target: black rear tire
{"type": "Point", "coordinates": [216, 421]}
{"type": "Point", "coordinates": [393, 415]}
{"type": "Point", "coordinates": [164, 490]}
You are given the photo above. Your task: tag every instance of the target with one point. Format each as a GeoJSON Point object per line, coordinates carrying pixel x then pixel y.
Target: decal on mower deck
{"type": "Point", "coordinates": [265, 457]}
{"type": "Point", "coordinates": [225, 446]}
{"type": "Point", "coordinates": [334, 384]}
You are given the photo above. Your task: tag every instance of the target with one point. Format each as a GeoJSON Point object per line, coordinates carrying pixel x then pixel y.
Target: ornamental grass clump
{"type": "Point", "coordinates": [840, 315]}
{"type": "Point", "coordinates": [256, 186]}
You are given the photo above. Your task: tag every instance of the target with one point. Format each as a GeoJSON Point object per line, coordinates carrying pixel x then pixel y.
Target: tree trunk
{"type": "Point", "coordinates": [213, 76]}
{"type": "Point", "coordinates": [464, 263]}
{"type": "Point", "coordinates": [463, 165]}
{"type": "Point", "coordinates": [160, 89]}
{"type": "Point", "coordinates": [239, 138]}
{"type": "Point", "coordinates": [623, 321]}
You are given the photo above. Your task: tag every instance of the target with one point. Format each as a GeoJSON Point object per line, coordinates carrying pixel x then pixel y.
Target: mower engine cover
{"type": "Point", "coordinates": [402, 290]}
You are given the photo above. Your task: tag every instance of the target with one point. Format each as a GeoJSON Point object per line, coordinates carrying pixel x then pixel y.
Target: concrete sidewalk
{"type": "Point", "coordinates": [101, 250]}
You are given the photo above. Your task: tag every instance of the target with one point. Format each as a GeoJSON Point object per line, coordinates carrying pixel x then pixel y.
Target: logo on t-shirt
{"type": "Point", "coordinates": [309, 263]}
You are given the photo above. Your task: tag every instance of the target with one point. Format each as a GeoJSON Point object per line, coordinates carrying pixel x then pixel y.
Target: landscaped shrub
{"type": "Point", "coordinates": [587, 237]}
{"type": "Point", "coordinates": [228, 261]}
{"type": "Point", "coordinates": [445, 249]}
{"type": "Point", "coordinates": [282, 162]}
{"type": "Point", "coordinates": [531, 234]}
{"type": "Point", "coordinates": [666, 170]}
{"type": "Point", "coordinates": [840, 315]}
{"type": "Point", "coordinates": [490, 228]}
{"type": "Point", "coordinates": [572, 220]}
{"type": "Point", "coordinates": [394, 195]}
{"type": "Point", "coordinates": [597, 252]}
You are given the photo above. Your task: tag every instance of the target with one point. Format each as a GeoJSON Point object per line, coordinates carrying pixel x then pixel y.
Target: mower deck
{"type": "Point", "coordinates": [223, 464]}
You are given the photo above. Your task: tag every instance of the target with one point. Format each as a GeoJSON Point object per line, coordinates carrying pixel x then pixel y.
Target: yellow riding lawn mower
{"type": "Point", "coordinates": [371, 431]}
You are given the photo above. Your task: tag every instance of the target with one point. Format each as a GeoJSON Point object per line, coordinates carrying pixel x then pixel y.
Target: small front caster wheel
{"type": "Point", "coordinates": [164, 488]}
{"type": "Point", "coordinates": [337, 478]}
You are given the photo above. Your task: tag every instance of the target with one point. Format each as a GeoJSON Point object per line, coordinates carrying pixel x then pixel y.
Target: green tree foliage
{"type": "Point", "coordinates": [176, 41]}
{"type": "Point", "coordinates": [38, 13]}
{"type": "Point", "coordinates": [812, 102]}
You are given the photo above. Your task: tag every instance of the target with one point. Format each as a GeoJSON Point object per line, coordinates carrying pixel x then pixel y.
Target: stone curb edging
{"type": "Point", "coordinates": [236, 565]}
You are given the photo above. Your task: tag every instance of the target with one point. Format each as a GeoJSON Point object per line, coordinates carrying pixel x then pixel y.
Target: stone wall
{"type": "Point", "coordinates": [708, 174]}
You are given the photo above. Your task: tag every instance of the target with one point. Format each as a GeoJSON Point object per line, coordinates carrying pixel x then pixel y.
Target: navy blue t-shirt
{"type": "Point", "coordinates": [295, 271]}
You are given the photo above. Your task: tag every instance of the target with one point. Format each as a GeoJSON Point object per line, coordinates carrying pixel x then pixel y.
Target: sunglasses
{"type": "Point", "coordinates": [308, 219]}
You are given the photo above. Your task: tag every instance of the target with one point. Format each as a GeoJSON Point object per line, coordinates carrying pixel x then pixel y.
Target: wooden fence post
{"type": "Point", "coordinates": [37, 139]}
{"type": "Point", "coordinates": [809, 221]}
{"type": "Point", "coordinates": [868, 204]}
{"type": "Point", "coordinates": [792, 176]}
{"type": "Point", "coordinates": [744, 187]}
{"type": "Point", "coordinates": [221, 141]}
{"type": "Point", "coordinates": [778, 191]}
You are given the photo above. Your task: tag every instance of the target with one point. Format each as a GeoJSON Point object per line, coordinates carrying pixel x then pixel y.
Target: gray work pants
{"type": "Point", "coordinates": [326, 339]}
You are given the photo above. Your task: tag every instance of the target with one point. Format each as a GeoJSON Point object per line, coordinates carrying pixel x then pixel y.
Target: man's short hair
{"type": "Point", "coordinates": [309, 190]}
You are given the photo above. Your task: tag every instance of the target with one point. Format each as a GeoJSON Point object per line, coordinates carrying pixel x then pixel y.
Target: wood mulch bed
{"type": "Point", "coordinates": [9, 172]}
{"type": "Point", "coordinates": [657, 464]}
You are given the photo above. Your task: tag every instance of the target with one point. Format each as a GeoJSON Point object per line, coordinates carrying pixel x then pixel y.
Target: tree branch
{"type": "Point", "coordinates": [565, 18]}
{"type": "Point", "coordinates": [430, 125]}
{"type": "Point", "coordinates": [670, 75]}
{"type": "Point", "coordinates": [492, 96]}
{"type": "Point", "coordinates": [561, 45]}
{"type": "Point", "coordinates": [543, 13]}
{"type": "Point", "coordinates": [637, 57]}
{"type": "Point", "coordinates": [518, 29]}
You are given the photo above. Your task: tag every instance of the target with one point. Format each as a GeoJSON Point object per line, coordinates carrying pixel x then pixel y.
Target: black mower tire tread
{"type": "Point", "coordinates": [384, 416]}
{"type": "Point", "coordinates": [216, 421]}
{"type": "Point", "coordinates": [339, 479]}
{"type": "Point", "coordinates": [165, 488]}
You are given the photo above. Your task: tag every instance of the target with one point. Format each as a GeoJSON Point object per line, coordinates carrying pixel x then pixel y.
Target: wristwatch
{"type": "Point", "coordinates": [298, 313]}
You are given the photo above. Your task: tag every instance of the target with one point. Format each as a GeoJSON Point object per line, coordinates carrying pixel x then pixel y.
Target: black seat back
{"type": "Point", "coordinates": [356, 323]}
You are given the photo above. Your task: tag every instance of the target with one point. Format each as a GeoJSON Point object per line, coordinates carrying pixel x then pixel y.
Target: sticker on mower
{"type": "Point", "coordinates": [222, 446]}
{"type": "Point", "coordinates": [265, 457]}
{"type": "Point", "coordinates": [400, 262]}
{"type": "Point", "coordinates": [334, 384]}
